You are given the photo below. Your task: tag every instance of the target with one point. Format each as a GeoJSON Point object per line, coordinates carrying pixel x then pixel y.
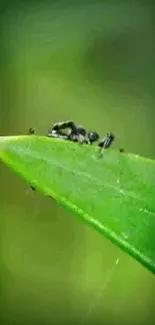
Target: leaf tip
{"type": "Point", "coordinates": [6, 139]}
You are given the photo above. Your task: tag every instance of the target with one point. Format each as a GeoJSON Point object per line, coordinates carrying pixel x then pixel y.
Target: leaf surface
{"type": "Point", "coordinates": [113, 193]}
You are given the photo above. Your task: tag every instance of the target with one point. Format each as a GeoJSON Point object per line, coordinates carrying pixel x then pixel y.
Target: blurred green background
{"type": "Point", "coordinates": [93, 62]}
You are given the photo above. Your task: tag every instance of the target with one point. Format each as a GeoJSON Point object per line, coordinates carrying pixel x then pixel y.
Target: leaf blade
{"type": "Point", "coordinates": [113, 194]}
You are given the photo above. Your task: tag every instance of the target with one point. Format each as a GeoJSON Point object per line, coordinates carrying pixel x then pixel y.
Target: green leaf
{"type": "Point", "coordinates": [113, 193]}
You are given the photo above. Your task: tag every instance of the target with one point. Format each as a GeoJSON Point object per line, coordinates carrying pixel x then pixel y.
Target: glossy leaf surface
{"type": "Point", "coordinates": [113, 193]}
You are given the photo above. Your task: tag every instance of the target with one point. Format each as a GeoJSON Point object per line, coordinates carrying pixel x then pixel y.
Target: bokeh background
{"type": "Point", "coordinates": [93, 62]}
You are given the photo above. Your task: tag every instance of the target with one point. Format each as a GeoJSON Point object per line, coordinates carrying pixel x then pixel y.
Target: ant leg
{"type": "Point", "coordinates": [106, 142]}
{"type": "Point", "coordinates": [100, 153]}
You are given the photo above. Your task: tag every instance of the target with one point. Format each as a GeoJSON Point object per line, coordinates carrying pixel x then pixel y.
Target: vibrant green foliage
{"type": "Point", "coordinates": [114, 193]}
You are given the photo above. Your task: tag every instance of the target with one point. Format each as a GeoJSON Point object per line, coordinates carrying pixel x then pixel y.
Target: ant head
{"type": "Point", "coordinates": [93, 136]}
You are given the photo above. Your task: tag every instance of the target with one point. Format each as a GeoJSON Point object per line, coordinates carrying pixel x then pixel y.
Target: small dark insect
{"type": "Point", "coordinates": [121, 150]}
{"type": "Point", "coordinates": [31, 131]}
